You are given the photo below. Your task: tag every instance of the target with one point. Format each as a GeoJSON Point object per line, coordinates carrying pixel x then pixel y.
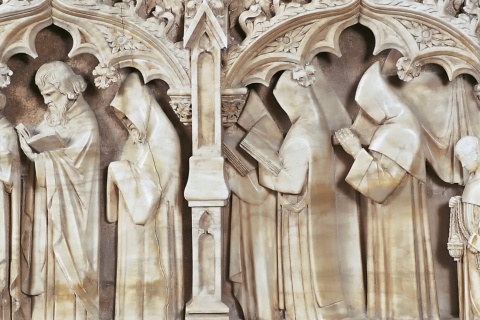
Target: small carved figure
{"type": "Point", "coordinates": [143, 196]}
{"type": "Point", "coordinates": [10, 190]}
{"type": "Point", "coordinates": [464, 238]}
{"type": "Point", "coordinates": [62, 218]}
{"type": "Point", "coordinates": [391, 174]}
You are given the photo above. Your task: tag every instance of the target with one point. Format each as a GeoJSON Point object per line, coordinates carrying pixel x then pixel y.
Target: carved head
{"type": "Point", "coordinates": [60, 87]}
{"type": "Point", "coordinates": [61, 76]}
{"type": "Point", "coordinates": [467, 150]}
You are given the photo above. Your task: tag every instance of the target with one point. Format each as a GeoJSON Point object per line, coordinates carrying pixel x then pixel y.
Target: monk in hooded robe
{"type": "Point", "coordinates": [10, 190]}
{"type": "Point", "coordinates": [391, 174]}
{"type": "Point", "coordinates": [310, 285]}
{"type": "Point", "coordinates": [253, 253]}
{"type": "Point", "coordinates": [466, 211]}
{"type": "Point", "coordinates": [143, 196]}
{"type": "Point", "coordinates": [61, 225]}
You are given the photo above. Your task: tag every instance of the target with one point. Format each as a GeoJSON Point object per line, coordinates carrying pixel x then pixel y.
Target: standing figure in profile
{"type": "Point", "coordinates": [309, 269]}
{"type": "Point", "coordinates": [62, 211]}
{"type": "Point", "coordinates": [11, 301]}
{"type": "Point", "coordinates": [465, 229]}
{"type": "Point", "coordinates": [391, 174]}
{"type": "Point", "coordinates": [143, 196]}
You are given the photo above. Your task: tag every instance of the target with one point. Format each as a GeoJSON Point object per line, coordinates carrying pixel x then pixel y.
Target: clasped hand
{"type": "Point", "coordinates": [349, 141]}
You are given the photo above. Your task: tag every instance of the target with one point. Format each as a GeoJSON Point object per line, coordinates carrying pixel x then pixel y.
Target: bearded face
{"type": "Point", "coordinates": [58, 104]}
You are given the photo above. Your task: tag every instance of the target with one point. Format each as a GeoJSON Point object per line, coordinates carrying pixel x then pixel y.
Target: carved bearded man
{"type": "Point", "coordinates": [62, 220]}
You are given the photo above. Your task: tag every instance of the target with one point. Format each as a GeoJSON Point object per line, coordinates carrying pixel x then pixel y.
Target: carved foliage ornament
{"type": "Point", "coordinates": [119, 41]}
{"type": "Point", "coordinates": [105, 76]}
{"type": "Point", "coordinates": [5, 74]}
{"type": "Point", "coordinates": [182, 107]}
{"type": "Point", "coordinates": [232, 106]}
{"type": "Point", "coordinates": [289, 42]}
{"type": "Point", "coordinates": [304, 75]}
{"type": "Point", "coordinates": [408, 70]}
{"type": "Point", "coordinates": [426, 36]}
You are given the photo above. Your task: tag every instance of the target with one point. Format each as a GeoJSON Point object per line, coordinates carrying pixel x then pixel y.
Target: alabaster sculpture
{"type": "Point", "coordinates": [257, 159]}
{"type": "Point", "coordinates": [391, 174]}
{"type": "Point", "coordinates": [464, 239]}
{"type": "Point", "coordinates": [143, 197]}
{"type": "Point", "coordinates": [304, 181]}
{"type": "Point", "coordinates": [61, 218]}
{"type": "Point", "coordinates": [12, 302]}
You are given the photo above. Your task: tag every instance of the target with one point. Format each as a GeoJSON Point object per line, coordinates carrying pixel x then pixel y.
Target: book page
{"type": "Point", "coordinates": [46, 142]}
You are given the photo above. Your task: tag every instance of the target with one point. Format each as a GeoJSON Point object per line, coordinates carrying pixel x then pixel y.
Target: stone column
{"type": "Point", "coordinates": [206, 191]}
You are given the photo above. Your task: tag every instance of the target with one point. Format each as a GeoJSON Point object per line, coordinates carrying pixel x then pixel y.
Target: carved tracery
{"type": "Point", "coordinates": [185, 43]}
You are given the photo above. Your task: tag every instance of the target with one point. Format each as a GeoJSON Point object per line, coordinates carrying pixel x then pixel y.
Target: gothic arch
{"type": "Point", "coordinates": [421, 32]}
{"type": "Point", "coordinates": [114, 35]}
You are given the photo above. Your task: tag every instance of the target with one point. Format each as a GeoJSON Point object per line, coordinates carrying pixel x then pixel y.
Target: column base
{"type": "Point", "coordinates": [202, 308]}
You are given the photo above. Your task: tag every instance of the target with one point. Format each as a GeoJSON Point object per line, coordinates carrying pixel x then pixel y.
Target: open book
{"type": "Point", "coordinates": [42, 142]}
{"type": "Point", "coordinates": [263, 142]}
{"type": "Point", "coordinates": [239, 159]}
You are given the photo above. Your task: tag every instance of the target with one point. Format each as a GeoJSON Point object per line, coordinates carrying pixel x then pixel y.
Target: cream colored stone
{"type": "Point", "coordinates": [391, 174]}
{"type": "Point", "coordinates": [143, 197]}
{"type": "Point", "coordinates": [62, 226]}
{"type": "Point", "coordinates": [207, 87]}
{"type": "Point", "coordinates": [464, 239]}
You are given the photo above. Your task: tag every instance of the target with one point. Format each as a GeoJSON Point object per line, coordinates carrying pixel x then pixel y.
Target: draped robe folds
{"type": "Point", "coordinates": [310, 287]}
{"type": "Point", "coordinates": [143, 195]}
{"type": "Point", "coordinates": [447, 111]}
{"type": "Point", "coordinates": [253, 250]}
{"type": "Point", "coordinates": [391, 174]}
{"type": "Point", "coordinates": [470, 273]}
{"type": "Point", "coordinates": [10, 189]}
{"type": "Point", "coordinates": [62, 221]}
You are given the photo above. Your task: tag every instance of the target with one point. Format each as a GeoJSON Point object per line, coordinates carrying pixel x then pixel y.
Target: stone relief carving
{"type": "Point", "coordinates": [143, 196]}
{"type": "Point", "coordinates": [463, 241]}
{"type": "Point", "coordinates": [105, 76]}
{"type": "Point", "coordinates": [295, 172]}
{"type": "Point", "coordinates": [5, 74]}
{"type": "Point", "coordinates": [12, 302]}
{"type": "Point", "coordinates": [207, 90]}
{"type": "Point", "coordinates": [62, 226]}
{"type": "Point", "coordinates": [391, 174]}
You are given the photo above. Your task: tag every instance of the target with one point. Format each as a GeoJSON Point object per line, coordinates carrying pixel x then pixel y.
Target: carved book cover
{"type": "Point", "coordinates": [240, 160]}
{"type": "Point", "coordinates": [42, 142]}
{"type": "Point", "coordinates": [263, 142]}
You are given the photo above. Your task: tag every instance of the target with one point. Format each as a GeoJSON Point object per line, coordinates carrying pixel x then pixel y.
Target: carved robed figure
{"type": "Point", "coordinates": [309, 268]}
{"type": "Point", "coordinates": [391, 174]}
{"type": "Point", "coordinates": [61, 216]}
{"type": "Point", "coordinates": [143, 196]}
{"type": "Point", "coordinates": [464, 239]}
{"type": "Point", "coordinates": [12, 302]}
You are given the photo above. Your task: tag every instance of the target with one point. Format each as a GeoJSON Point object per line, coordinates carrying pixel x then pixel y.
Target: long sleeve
{"type": "Point", "coordinates": [375, 175]}
{"type": "Point", "coordinates": [292, 176]}
{"type": "Point", "coordinates": [140, 194]}
{"type": "Point", "coordinates": [6, 168]}
{"type": "Point", "coordinates": [246, 188]}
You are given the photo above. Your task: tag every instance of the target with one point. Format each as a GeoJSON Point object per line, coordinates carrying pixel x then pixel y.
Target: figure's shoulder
{"type": "Point", "coordinates": [471, 193]}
